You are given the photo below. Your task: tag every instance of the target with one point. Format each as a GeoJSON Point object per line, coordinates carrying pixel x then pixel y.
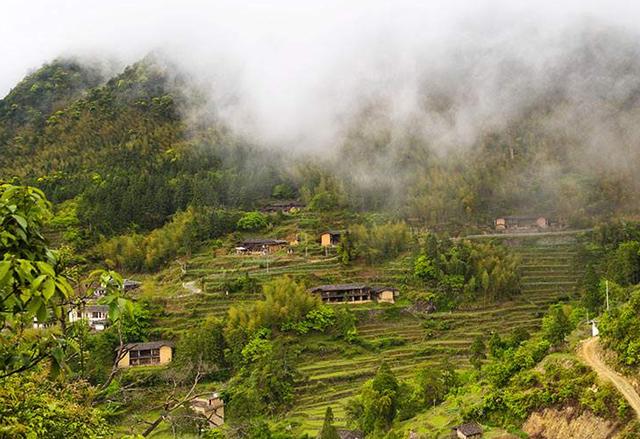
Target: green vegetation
{"type": "Point", "coordinates": [463, 271]}
{"type": "Point", "coordinates": [139, 189]}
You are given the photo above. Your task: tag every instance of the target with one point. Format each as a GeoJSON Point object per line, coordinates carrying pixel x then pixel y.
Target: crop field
{"type": "Point", "coordinates": [406, 341]}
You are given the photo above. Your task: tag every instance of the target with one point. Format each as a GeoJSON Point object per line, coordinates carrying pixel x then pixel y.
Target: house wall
{"type": "Point", "coordinates": [325, 239]}
{"type": "Point", "coordinates": [386, 296]}
{"type": "Point", "coordinates": [124, 361]}
{"type": "Point", "coordinates": [166, 354]}
{"type": "Point", "coordinates": [542, 222]}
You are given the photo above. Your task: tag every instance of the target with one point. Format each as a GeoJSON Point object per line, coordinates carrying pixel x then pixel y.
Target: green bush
{"type": "Point", "coordinates": [252, 221]}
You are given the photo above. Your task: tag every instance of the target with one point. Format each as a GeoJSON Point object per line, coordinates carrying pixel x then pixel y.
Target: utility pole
{"type": "Point", "coordinates": [606, 282]}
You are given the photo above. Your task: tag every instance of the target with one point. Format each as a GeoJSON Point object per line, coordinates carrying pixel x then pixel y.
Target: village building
{"type": "Point", "coordinates": [354, 293]}
{"type": "Point", "coordinates": [521, 223]}
{"type": "Point", "coordinates": [261, 246]}
{"type": "Point", "coordinates": [385, 294]}
{"type": "Point", "coordinates": [127, 285]}
{"type": "Point", "coordinates": [350, 293]}
{"type": "Point", "coordinates": [95, 315]}
{"type": "Point", "coordinates": [211, 408]}
{"type": "Point", "coordinates": [350, 434]}
{"type": "Point", "coordinates": [330, 238]}
{"type": "Point", "coordinates": [153, 353]}
{"type": "Point", "coordinates": [470, 430]}
{"type": "Point", "coordinates": [284, 207]}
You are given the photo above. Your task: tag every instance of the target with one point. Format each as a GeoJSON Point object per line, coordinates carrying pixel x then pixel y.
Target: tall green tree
{"type": "Point", "coordinates": [328, 431]}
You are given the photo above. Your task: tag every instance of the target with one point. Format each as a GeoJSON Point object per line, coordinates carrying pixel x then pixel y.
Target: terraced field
{"type": "Point", "coordinates": [549, 275]}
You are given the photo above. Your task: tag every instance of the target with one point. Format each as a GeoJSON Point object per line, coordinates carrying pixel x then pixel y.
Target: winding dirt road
{"type": "Point", "coordinates": [590, 353]}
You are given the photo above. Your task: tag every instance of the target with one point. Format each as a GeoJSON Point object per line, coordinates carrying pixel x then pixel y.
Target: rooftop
{"type": "Point", "coordinates": [350, 434]}
{"type": "Point", "coordinates": [143, 346]}
{"type": "Point", "coordinates": [469, 429]}
{"type": "Point", "coordinates": [256, 241]}
{"type": "Point", "coordinates": [339, 287]}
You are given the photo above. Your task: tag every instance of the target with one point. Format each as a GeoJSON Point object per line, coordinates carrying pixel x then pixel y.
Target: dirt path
{"type": "Point", "coordinates": [191, 287]}
{"type": "Point", "coordinates": [590, 353]}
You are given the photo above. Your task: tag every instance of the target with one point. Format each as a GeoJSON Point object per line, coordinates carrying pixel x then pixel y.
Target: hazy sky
{"type": "Point", "coordinates": [289, 35]}
{"type": "Point", "coordinates": [278, 57]}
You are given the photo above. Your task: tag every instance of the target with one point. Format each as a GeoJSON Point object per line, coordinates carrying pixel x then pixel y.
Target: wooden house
{"type": "Point", "coordinates": [349, 293]}
{"type": "Point", "coordinates": [261, 246]}
{"type": "Point", "coordinates": [330, 238]}
{"type": "Point", "coordinates": [470, 430]}
{"type": "Point", "coordinates": [127, 285]}
{"type": "Point", "coordinates": [521, 223]}
{"type": "Point", "coordinates": [354, 293]}
{"type": "Point", "coordinates": [284, 207]}
{"type": "Point", "coordinates": [211, 408]}
{"type": "Point", "coordinates": [153, 353]}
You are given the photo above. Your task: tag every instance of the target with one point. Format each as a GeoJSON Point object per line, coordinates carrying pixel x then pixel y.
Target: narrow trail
{"type": "Point", "coordinates": [191, 287]}
{"type": "Point", "coordinates": [590, 353]}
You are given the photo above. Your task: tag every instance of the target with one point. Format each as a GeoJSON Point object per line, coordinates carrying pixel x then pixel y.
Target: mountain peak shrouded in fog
{"type": "Point", "coordinates": [473, 110]}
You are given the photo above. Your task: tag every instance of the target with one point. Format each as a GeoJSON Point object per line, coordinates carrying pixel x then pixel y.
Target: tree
{"type": "Point", "coordinates": [556, 325]}
{"type": "Point", "coordinates": [591, 296]}
{"type": "Point", "coordinates": [31, 282]}
{"type": "Point", "coordinates": [253, 221]}
{"type": "Point", "coordinates": [477, 351]}
{"type": "Point", "coordinates": [625, 266]}
{"type": "Point", "coordinates": [328, 431]}
{"type": "Point", "coordinates": [377, 405]}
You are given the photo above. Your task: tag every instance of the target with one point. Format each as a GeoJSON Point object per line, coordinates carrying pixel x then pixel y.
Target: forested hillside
{"type": "Point", "coordinates": [145, 177]}
{"type": "Point", "coordinates": [139, 144]}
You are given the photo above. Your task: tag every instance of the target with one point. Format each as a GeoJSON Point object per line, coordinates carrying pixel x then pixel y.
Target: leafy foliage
{"type": "Point", "coordinates": [252, 221]}
{"type": "Point", "coordinates": [32, 405]}
{"type": "Point", "coordinates": [466, 270]}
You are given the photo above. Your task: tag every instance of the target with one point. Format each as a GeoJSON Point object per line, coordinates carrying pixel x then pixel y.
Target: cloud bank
{"type": "Point", "coordinates": [295, 74]}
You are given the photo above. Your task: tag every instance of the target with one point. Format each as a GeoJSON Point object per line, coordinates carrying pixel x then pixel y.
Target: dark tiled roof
{"type": "Point", "coordinates": [147, 345]}
{"type": "Point", "coordinates": [350, 434]}
{"type": "Point", "coordinates": [263, 242]}
{"type": "Point", "coordinates": [96, 308]}
{"type": "Point", "coordinates": [340, 287]}
{"type": "Point", "coordinates": [333, 232]}
{"type": "Point", "coordinates": [469, 429]}
{"type": "Point", "coordinates": [522, 218]}
{"type": "Point", "coordinates": [381, 289]}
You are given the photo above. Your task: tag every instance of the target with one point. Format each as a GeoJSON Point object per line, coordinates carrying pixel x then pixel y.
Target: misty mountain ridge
{"type": "Point", "coordinates": [484, 133]}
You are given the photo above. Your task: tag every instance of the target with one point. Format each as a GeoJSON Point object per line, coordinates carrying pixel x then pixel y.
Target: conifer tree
{"type": "Point", "coordinates": [328, 430]}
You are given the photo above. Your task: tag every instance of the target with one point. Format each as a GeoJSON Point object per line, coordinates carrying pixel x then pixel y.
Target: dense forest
{"type": "Point", "coordinates": [128, 152]}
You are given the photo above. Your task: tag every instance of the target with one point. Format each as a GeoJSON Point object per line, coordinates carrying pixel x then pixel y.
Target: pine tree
{"type": "Point", "coordinates": [328, 430]}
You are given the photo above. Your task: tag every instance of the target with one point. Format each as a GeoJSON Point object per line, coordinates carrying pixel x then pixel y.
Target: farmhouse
{"type": "Point", "coordinates": [95, 315]}
{"type": "Point", "coordinates": [284, 207]}
{"type": "Point", "coordinates": [521, 223]}
{"type": "Point", "coordinates": [350, 434]}
{"type": "Point", "coordinates": [385, 294]}
{"type": "Point", "coordinates": [212, 408]}
{"type": "Point", "coordinates": [127, 284]}
{"type": "Point", "coordinates": [261, 246]}
{"type": "Point", "coordinates": [470, 430]}
{"type": "Point", "coordinates": [354, 293]}
{"type": "Point", "coordinates": [330, 238]}
{"type": "Point", "coordinates": [343, 293]}
{"type": "Point", "coordinates": [153, 353]}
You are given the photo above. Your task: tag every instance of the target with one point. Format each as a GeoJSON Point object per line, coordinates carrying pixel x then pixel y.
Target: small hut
{"type": "Point", "coordinates": [330, 238]}
{"type": "Point", "coordinates": [469, 430]}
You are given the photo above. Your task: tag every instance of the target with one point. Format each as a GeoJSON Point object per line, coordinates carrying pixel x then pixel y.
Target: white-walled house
{"type": "Point", "coordinates": [95, 315]}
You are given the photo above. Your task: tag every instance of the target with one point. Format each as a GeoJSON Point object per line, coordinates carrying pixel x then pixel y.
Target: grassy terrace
{"type": "Point", "coordinates": [330, 375]}
{"type": "Point", "coordinates": [549, 274]}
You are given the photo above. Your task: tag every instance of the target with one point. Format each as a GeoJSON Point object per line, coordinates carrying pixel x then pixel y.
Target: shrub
{"type": "Point", "coordinates": [252, 221]}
